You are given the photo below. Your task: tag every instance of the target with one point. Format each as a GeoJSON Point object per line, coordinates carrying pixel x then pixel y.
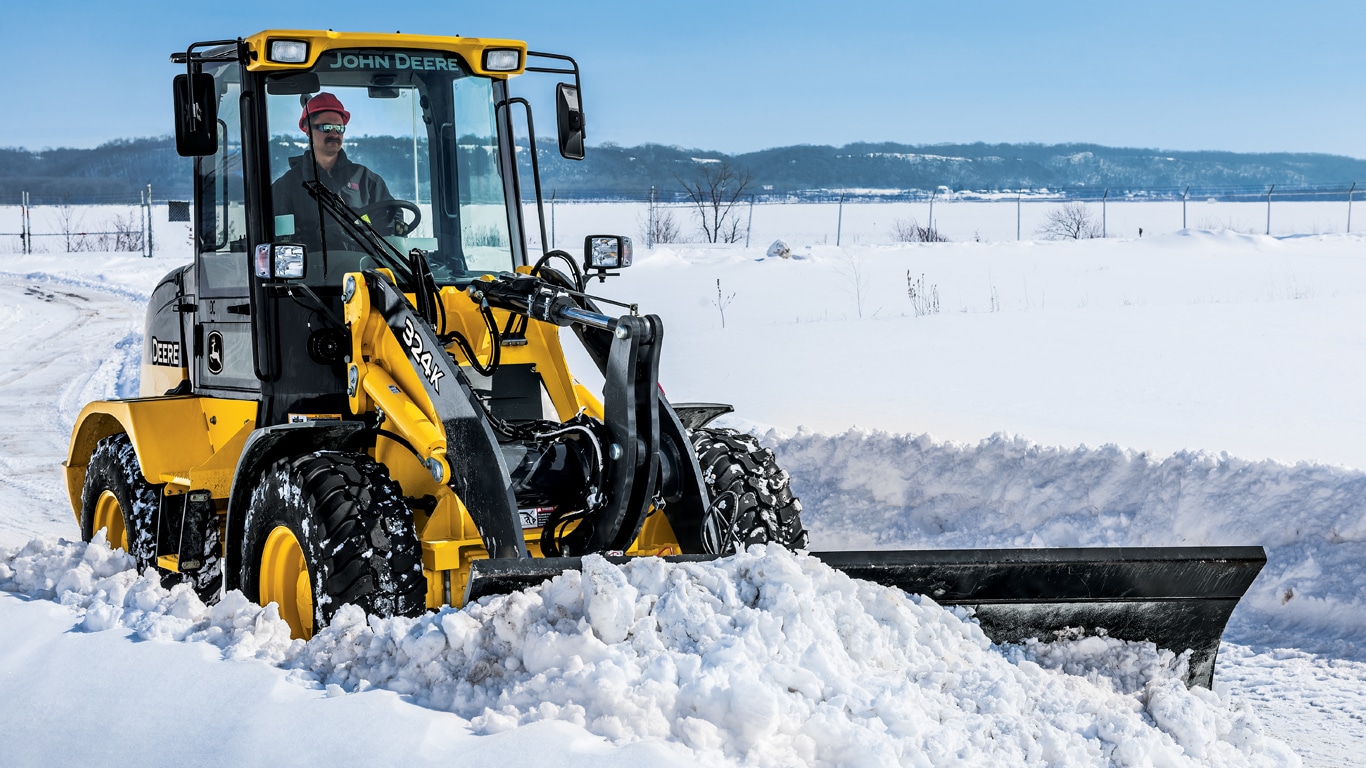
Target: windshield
{"type": "Point", "coordinates": [407, 140]}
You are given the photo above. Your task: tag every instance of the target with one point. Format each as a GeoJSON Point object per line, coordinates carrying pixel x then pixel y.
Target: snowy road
{"type": "Point", "coordinates": [68, 337]}
{"type": "Point", "coordinates": [61, 346]}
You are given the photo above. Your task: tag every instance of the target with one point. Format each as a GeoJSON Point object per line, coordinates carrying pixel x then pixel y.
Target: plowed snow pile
{"type": "Point", "coordinates": [873, 490]}
{"type": "Point", "coordinates": [768, 658]}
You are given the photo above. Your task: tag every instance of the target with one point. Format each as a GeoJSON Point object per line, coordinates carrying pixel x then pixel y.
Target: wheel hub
{"type": "Point", "coordinates": [109, 516]}
{"type": "Point", "coordinates": [285, 581]}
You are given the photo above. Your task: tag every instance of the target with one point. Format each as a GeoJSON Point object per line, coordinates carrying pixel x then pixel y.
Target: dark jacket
{"type": "Point", "coordinates": [357, 186]}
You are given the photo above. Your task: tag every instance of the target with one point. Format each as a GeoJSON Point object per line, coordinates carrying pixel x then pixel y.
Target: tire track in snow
{"type": "Point", "coordinates": [63, 343]}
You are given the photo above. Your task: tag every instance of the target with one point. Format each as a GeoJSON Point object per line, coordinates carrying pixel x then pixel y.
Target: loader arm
{"type": "Point", "coordinates": [400, 370]}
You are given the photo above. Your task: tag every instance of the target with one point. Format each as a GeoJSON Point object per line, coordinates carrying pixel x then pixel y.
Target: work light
{"type": "Point", "coordinates": [288, 51]}
{"type": "Point", "coordinates": [502, 60]}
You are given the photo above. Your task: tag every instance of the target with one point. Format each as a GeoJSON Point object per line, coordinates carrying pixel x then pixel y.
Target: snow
{"type": "Point", "coordinates": [1193, 388]}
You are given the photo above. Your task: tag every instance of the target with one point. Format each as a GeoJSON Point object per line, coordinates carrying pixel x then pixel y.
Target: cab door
{"type": "Point", "coordinates": [223, 362]}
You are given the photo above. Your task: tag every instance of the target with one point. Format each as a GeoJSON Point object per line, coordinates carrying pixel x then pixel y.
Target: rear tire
{"type": "Point", "coordinates": [327, 530]}
{"type": "Point", "coordinates": [750, 497]}
{"type": "Point", "coordinates": [117, 498]}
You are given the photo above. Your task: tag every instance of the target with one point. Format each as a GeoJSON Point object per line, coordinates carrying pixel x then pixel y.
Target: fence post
{"type": "Point", "coordinates": [1018, 195]}
{"type": "Point", "coordinates": [839, 222]}
{"type": "Point", "coordinates": [1184, 195]}
{"type": "Point", "coordinates": [142, 223]}
{"type": "Point", "coordinates": [1268, 208]}
{"type": "Point", "coordinates": [1349, 207]}
{"type": "Point", "coordinates": [26, 228]}
{"type": "Point", "coordinates": [750, 224]}
{"type": "Point", "coordinates": [149, 221]}
{"type": "Point", "coordinates": [1104, 230]}
{"type": "Point", "coordinates": [650, 233]}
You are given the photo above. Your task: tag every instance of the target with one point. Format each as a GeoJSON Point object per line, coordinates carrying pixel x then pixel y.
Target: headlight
{"type": "Point", "coordinates": [275, 262]}
{"type": "Point", "coordinates": [502, 60]}
{"type": "Point", "coordinates": [604, 252]}
{"type": "Point", "coordinates": [288, 51]}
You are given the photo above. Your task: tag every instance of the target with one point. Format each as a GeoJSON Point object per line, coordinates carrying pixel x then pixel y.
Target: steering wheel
{"type": "Point", "coordinates": [394, 223]}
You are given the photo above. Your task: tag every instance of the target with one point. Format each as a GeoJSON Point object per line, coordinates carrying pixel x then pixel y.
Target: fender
{"type": "Point", "coordinates": [171, 436]}
{"type": "Point", "coordinates": [698, 415]}
{"type": "Point", "coordinates": [262, 448]}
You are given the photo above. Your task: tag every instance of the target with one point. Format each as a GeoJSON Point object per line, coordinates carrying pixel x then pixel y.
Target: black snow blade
{"type": "Point", "coordinates": [1178, 598]}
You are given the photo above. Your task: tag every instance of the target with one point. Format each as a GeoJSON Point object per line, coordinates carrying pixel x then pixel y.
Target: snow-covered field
{"type": "Point", "coordinates": [1191, 388]}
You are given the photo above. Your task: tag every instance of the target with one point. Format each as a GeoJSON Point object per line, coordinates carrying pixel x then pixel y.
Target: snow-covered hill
{"type": "Point", "coordinates": [1212, 372]}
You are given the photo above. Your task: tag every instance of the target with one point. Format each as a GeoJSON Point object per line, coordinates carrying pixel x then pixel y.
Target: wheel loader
{"type": "Point", "coordinates": [357, 391]}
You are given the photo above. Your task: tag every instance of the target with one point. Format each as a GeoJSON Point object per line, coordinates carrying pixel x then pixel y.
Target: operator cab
{"type": "Point", "coordinates": [322, 153]}
{"type": "Point", "coordinates": [451, 204]}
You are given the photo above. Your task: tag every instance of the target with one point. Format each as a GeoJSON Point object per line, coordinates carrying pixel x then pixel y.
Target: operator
{"type": "Point", "coordinates": [324, 119]}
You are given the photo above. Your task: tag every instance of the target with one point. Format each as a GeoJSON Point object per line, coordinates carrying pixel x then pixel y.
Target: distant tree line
{"type": "Point", "coordinates": [118, 170]}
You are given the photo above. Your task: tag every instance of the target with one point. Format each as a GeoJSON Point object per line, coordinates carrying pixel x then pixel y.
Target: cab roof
{"type": "Point", "coordinates": [470, 49]}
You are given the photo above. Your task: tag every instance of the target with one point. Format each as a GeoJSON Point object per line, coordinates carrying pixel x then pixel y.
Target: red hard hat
{"type": "Point", "coordinates": [323, 102]}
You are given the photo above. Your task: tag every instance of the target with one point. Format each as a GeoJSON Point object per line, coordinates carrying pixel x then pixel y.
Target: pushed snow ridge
{"type": "Point", "coordinates": [766, 658]}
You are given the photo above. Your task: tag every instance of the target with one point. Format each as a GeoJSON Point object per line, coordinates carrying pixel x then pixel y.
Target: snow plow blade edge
{"type": "Point", "coordinates": [1178, 598]}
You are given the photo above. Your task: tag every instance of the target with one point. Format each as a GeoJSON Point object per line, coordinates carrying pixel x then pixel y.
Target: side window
{"type": "Point", "coordinates": [483, 213]}
{"type": "Point", "coordinates": [222, 207]}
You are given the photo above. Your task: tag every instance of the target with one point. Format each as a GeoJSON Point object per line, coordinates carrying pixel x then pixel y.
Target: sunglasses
{"type": "Point", "coordinates": [330, 128]}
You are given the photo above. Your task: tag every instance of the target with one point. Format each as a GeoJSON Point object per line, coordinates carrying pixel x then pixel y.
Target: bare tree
{"type": "Point", "coordinates": [855, 278]}
{"type": "Point", "coordinates": [1072, 221]}
{"type": "Point", "coordinates": [910, 231]}
{"type": "Point", "coordinates": [661, 227]}
{"type": "Point", "coordinates": [722, 301]}
{"type": "Point", "coordinates": [126, 234]}
{"type": "Point", "coordinates": [714, 190]}
{"type": "Point", "coordinates": [68, 222]}
{"type": "Point", "coordinates": [924, 298]}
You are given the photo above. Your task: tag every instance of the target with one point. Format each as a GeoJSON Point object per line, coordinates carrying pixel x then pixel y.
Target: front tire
{"type": "Point", "coordinates": [327, 530]}
{"type": "Point", "coordinates": [117, 498]}
{"type": "Point", "coordinates": [750, 496]}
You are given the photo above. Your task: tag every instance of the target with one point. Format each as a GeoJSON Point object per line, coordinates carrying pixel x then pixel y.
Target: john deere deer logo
{"type": "Point", "coordinates": [215, 357]}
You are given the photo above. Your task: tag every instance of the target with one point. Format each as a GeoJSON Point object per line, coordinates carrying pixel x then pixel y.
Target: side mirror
{"type": "Point", "coordinates": [279, 262]}
{"type": "Point", "coordinates": [569, 119]}
{"type": "Point", "coordinates": [604, 252]}
{"type": "Point", "coordinates": [196, 115]}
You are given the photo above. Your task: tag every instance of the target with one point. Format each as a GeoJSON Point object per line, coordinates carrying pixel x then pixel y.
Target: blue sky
{"type": "Point", "coordinates": [738, 76]}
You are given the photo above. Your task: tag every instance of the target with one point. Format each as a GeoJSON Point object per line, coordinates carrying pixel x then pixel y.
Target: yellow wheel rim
{"type": "Point", "coordinates": [109, 516]}
{"type": "Point", "coordinates": [284, 581]}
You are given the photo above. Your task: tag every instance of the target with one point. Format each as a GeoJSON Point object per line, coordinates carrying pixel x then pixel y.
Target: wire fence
{"type": "Point", "coordinates": [128, 221]}
{"type": "Point", "coordinates": [861, 217]}
{"type": "Point", "coordinates": [44, 225]}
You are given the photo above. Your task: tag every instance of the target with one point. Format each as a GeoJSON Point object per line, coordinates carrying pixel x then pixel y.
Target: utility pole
{"type": "Point", "coordinates": [650, 233]}
{"type": "Point", "coordinates": [1018, 195]}
{"type": "Point", "coordinates": [931, 225]}
{"type": "Point", "coordinates": [839, 222]}
{"type": "Point", "coordinates": [1104, 231]}
{"type": "Point", "coordinates": [1184, 195]}
{"type": "Point", "coordinates": [750, 224]}
{"type": "Point", "coordinates": [1268, 208]}
{"type": "Point", "coordinates": [1349, 207]}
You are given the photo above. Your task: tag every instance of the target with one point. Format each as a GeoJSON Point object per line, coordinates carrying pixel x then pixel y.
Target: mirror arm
{"type": "Point", "coordinates": [535, 164]}
{"type": "Point", "coordinates": [573, 70]}
{"type": "Point", "coordinates": [192, 62]}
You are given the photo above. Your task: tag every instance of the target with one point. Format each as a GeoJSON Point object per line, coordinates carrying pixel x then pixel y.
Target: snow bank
{"type": "Point", "coordinates": [863, 490]}
{"type": "Point", "coordinates": [767, 658]}
{"type": "Point", "coordinates": [101, 585]}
